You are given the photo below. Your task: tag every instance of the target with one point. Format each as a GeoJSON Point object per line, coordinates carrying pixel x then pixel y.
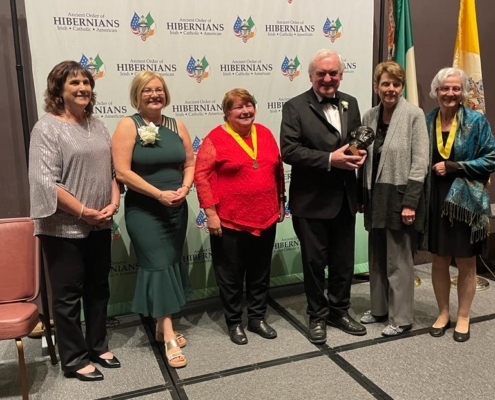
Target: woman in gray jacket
{"type": "Point", "coordinates": [393, 199]}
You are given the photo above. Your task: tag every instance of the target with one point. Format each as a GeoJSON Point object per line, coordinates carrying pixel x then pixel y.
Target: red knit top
{"type": "Point", "coordinates": [245, 198]}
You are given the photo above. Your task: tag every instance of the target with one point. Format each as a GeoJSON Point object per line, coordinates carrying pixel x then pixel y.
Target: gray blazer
{"type": "Point", "coordinates": [401, 172]}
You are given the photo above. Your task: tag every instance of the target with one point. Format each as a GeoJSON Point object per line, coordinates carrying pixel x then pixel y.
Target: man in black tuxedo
{"type": "Point", "coordinates": [314, 133]}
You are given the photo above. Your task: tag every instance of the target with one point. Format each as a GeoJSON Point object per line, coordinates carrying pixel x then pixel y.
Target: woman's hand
{"type": "Point", "coordinates": [214, 225]}
{"type": "Point", "coordinates": [109, 210]}
{"type": "Point", "coordinates": [170, 198]}
{"type": "Point", "coordinates": [408, 215]}
{"type": "Point", "coordinates": [281, 214]}
{"type": "Point", "coordinates": [94, 217]}
{"type": "Point", "coordinates": [183, 192]}
{"type": "Point", "coordinates": [440, 168]}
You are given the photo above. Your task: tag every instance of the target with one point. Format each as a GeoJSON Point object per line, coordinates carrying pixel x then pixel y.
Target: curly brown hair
{"type": "Point", "coordinates": [54, 102]}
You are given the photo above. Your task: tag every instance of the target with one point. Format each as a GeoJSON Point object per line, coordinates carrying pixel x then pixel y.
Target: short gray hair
{"type": "Point", "coordinates": [442, 76]}
{"type": "Point", "coordinates": [324, 53]}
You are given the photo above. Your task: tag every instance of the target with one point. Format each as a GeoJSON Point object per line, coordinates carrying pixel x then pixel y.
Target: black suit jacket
{"type": "Point", "coordinates": [306, 141]}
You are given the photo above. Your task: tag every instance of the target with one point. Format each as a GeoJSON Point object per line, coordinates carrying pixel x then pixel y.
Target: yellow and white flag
{"type": "Point", "coordinates": [467, 54]}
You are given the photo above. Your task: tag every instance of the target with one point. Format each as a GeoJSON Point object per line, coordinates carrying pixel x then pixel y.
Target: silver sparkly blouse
{"type": "Point", "coordinates": [68, 156]}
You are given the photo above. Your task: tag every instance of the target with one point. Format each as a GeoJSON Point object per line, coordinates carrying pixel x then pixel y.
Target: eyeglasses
{"type": "Point", "coordinates": [446, 89]}
{"type": "Point", "coordinates": [148, 91]}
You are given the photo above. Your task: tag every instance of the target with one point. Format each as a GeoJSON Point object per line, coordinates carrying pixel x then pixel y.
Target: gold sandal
{"type": "Point", "coordinates": [181, 340]}
{"type": "Point", "coordinates": [175, 355]}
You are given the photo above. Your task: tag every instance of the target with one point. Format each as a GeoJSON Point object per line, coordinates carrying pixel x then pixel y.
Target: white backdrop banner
{"type": "Point", "coordinates": [203, 48]}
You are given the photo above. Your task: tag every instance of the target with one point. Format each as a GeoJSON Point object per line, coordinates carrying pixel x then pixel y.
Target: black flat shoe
{"type": "Point", "coordinates": [263, 329]}
{"type": "Point", "coordinates": [439, 332]}
{"type": "Point", "coordinates": [461, 337]}
{"type": "Point", "coordinates": [347, 324]}
{"type": "Point", "coordinates": [317, 331]}
{"type": "Point", "coordinates": [237, 334]}
{"type": "Point", "coordinates": [96, 375]}
{"type": "Point", "coordinates": [106, 363]}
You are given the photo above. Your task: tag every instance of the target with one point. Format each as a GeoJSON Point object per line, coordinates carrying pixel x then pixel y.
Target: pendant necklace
{"type": "Point", "coordinates": [88, 128]}
{"type": "Point", "coordinates": [251, 152]}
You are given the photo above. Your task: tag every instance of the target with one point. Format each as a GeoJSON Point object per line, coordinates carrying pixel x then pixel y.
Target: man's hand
{"type": "Point", "coordinates": [343, 161]}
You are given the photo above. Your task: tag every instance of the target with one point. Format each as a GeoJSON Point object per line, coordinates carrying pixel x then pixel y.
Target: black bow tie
{"type": "Point", "coordinates": [331, 100]}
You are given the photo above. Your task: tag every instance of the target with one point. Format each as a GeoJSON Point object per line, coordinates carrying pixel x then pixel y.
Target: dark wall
{"type": "Point", "coordinates": [434, 28]}
{"type": "Point", "coordinates": [14, 190]}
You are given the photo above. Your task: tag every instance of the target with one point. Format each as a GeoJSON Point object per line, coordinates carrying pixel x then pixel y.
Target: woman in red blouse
{"type": "Point", "coordinates": [240, 183]}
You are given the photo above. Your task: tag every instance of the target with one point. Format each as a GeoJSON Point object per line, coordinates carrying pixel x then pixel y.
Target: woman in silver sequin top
{"type": "Point", "coordinates": [73, 198]}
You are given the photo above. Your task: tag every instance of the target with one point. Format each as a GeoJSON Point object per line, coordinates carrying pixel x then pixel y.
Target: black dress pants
{"type": "Point", "coordinates": [79, 268]}
{"type": "Point", "coordinates": [237, 255]}
{"type": "Point", "coordinates": [327, 242]}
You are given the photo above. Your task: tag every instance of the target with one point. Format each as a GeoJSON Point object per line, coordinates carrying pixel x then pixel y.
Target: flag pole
{"type": "Point", "coordinates": [20, 78]}
{"type": "Point", "coordinates": [381, 38]}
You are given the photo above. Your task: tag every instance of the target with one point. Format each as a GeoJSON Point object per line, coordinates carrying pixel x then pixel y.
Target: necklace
{"type": "Point", "coordinates": [253, 153]}
{"type": "Point", "coordinates": [88, 128]}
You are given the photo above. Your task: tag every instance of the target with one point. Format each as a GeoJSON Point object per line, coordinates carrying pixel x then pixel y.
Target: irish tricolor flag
{"type": "Point", "coordinates": [467, 54]}
{"type": "Point", "coordinates": [401, 45]}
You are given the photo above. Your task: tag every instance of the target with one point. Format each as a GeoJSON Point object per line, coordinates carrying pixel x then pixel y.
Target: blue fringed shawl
{"type": "Point", "coordinates": [474, 149]}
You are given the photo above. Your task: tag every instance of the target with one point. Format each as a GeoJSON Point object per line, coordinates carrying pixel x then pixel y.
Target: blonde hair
{"type": "Point", "coordinates": [392, 68]}
{"type": "Point", "coordinates": [139, 83]}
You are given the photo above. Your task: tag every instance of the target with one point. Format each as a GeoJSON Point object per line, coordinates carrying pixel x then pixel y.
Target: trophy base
{"type": "Point", "coordinates": [352, 151]}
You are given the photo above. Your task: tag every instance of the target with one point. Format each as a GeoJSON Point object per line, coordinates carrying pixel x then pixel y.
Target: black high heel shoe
{"type": "Point", "coordinates": [439, 332]}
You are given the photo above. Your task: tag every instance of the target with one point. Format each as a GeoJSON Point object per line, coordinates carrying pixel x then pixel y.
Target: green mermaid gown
{"type": "Point", "coordinates": [158, 232]}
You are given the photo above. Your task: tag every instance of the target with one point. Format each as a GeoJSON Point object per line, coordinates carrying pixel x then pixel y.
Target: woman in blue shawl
{"type": "Point", "coordinates": [462, 155]}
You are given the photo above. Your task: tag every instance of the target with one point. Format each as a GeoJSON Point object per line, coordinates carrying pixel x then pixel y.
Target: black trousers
{"type": "Point", "coordinates": [327, 242]}
{"type": "Point", "coordinates": [79, 268]}
{"type": "Point", "coordinates": [237, 255]}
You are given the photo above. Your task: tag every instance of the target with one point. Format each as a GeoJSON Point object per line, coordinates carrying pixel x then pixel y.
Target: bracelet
{"type": "Point", "coordinates": [188, 187]}
{"type": "Point", "coordinates": [116, 208]}
{"type": "Point", "coordinates": [282, 198]}
{"type": "Point", "coordinates": [81, 213]}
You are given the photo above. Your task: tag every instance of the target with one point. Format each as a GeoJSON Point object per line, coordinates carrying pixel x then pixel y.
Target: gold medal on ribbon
{"type": "Point", "coordinates": [251, 152]}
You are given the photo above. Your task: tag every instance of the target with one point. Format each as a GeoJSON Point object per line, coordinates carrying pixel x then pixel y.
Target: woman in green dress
{"type": "Point", "coordinates": [153, 157]}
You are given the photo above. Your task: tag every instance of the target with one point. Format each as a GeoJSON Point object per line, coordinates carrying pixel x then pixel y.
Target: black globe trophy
{"type": "Point", "coordinates": [362, 137]}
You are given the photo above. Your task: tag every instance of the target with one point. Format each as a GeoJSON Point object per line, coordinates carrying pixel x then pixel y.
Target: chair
{"type": "Point", "coordinates": [19, 287]}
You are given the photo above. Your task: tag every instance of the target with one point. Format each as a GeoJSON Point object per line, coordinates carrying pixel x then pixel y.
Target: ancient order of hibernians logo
{"type": "Point", "coordinates": [143, 26]}
{"type": "Point", "coordinates": [291, 67]}
{"type": "Point", "coordinates": [244, 29]}
{"type": "Point", "coordinates": [198, 69]}
{"type": "Point", "coordinates": [94, 65]}
{"type": "Point", "coordinates": [201, 221]}
{"type": "Point", "coordinates": [332, 29]}
{"type": "Point", "coordinates": [196, 144]}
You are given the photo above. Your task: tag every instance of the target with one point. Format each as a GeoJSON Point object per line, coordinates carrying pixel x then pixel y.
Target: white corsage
{"type": "Point", "coordinates": [345, 105]}
{"type": "Point", "coordinates": [148, 134]}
